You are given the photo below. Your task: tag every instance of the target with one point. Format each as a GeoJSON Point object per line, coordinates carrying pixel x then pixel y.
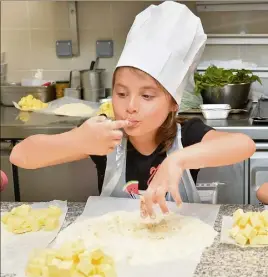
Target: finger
{"type": "Point", "coordinates": [148, 200]}
{"type": "Point", "coordinates": [161, 199]}
{"type": "Point", "coordinates": [119, 124]}
{"type": "Point", "coordinates": [114, 143]}
{"type": "Point", "coordinates": [109, 150]}
{"type": "Point", "coordinates": [116, 134]}
{"type": "Point", "coordinates": [143, 210]}
{"type": "Point", "coordinates": [100, 118]}
{"type": "Point", "coordinates": [174, 190]}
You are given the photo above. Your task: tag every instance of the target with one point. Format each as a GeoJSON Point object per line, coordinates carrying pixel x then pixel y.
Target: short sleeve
{"type": "Point", "coordinates": [193, 131]}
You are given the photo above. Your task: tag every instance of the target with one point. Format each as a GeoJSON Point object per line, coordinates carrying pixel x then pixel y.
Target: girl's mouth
{"type": "Point", "coordinates": [133, 123]}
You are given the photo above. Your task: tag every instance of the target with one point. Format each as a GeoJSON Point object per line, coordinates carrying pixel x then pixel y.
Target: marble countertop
{"type": "Point", "coordinates": [219, 260]}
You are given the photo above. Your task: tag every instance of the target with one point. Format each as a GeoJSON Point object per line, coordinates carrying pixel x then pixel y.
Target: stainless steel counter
{"type": "Point", "coordinates": [18, 125]}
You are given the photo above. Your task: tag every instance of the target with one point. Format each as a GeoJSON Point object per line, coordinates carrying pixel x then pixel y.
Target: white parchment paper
{"type": "Point", "coordinates": [55, 104]}
{"type": "Point", "coordinates": [97, 206]}
{"type": "Point", "coordinates": [15, 249]}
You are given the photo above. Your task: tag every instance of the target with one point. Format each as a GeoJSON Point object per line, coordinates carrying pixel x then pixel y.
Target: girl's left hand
{"type": "Point", "coordinates": [166, 179]}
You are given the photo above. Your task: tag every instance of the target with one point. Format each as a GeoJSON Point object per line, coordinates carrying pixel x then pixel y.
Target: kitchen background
{"type": "Point", "coordinates": [30, 29]}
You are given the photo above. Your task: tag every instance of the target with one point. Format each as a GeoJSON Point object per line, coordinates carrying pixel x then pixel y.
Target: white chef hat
{"type": "Point", "coordinates": [165, 41]}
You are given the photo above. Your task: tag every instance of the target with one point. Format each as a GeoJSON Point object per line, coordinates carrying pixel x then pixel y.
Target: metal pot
{"type": "Point", "coordinates": [93, 84]}
{"type": "Point", "coordinates": [236, 95]}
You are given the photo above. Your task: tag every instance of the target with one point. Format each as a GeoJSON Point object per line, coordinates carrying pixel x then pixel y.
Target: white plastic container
{"type": "Point", "coordinates": [215, 111]}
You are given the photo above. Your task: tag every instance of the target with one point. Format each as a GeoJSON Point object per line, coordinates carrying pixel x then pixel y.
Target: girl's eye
{"type": "Point", "coordinates": [147, 97]}
{"type": "Point", "coordinates": [121, 94]}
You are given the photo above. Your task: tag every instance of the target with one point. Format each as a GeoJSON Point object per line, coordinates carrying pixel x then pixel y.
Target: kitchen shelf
{"type": "Point", "coordinates": [238, 39]}
{"type": "Point", "coordinates": [262, 71]}
{"type": "Point", "coordinates": [227, 6]}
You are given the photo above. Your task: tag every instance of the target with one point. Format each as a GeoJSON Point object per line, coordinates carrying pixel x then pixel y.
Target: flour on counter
{"type": "Point", "coordinates": [124, 234]}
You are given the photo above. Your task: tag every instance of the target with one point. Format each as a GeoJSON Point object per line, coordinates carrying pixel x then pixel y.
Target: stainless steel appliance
{"type": "Point", "coordinates": [8, 194]}
{"type": "Point", "coordinates": [10, 93]}
{"type": "Point", "coordinates": [258, 170]}
{"type": "Point", "coordinates": [236, 95]}
{"type": "Point", "coordinates": [74, 181]}
{"type": "Point", "coordinates": [231, 180]}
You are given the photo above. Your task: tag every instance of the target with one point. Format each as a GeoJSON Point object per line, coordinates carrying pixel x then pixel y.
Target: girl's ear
{"type": "Point", "coordinates": [174, 107]}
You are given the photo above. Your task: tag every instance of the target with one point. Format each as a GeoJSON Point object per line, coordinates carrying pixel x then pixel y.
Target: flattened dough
{"type": "Point", "coordinates": [124, 234]}
{"type": "Point", "coordinates": [74, 109]}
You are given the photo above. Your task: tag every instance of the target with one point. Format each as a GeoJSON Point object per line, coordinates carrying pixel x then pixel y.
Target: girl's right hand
{"type": "Point", "coordinates": [99, 136]}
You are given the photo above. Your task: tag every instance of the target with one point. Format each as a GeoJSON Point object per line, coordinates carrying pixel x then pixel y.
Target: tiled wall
{"type": "Point", "coordinates": [29, 30]}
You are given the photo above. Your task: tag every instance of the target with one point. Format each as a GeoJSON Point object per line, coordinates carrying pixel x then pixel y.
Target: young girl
{"type": "Point", "coordinates": [156, 149]}
{"type": "Point", "coordinates": [262, 193]}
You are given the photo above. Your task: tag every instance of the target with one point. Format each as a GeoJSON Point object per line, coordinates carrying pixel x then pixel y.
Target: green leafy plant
{"type": "Point", "coordinates": [218, 77]}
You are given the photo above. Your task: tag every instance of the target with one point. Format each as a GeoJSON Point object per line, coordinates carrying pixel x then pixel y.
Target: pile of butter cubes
{"type": "Point", "coordinates": [23, 219]}
{"type": "Point", "coordinates": [250, 228]}
{"type": "Point", "coordinates": [30, 103]}
{"type": "Point", "coordinates": [70, 260]}
{"type": "Point", "coordinates": [107, 109]}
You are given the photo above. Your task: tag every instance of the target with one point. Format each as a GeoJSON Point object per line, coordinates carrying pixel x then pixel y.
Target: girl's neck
{"type": "Point", "coordinates": [145, 145]}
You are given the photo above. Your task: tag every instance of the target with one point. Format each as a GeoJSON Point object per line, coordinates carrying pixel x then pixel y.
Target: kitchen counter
{"type": "Point", "coordinates": [219, 260]}
{"type": "Point", "coordinates": [18, 125]}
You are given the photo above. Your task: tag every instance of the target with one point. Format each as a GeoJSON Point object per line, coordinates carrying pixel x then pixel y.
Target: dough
{"type": "Point", "coordinates": [124, 235]}
{"type": "Point", "coordinates": [74, 109]}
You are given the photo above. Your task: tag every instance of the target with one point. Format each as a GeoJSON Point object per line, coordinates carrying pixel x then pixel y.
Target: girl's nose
{"type": "Point", "coordinates": [133, 105]}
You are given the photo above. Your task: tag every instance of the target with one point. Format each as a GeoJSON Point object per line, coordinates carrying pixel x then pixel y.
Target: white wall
{"type": "Point", "coordinates": [29, 30]}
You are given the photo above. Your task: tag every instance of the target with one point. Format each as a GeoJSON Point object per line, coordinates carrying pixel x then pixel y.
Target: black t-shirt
{"type": "Point", "coordinates": [143, 168]}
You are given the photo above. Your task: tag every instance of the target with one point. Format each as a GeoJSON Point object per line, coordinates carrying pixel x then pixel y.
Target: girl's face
{"type": "Point", "coordinates": [138, 98]}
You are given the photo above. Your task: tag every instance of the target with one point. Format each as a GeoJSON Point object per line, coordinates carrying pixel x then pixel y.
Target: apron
{"type": "Point", "coordinates": [115, 174]}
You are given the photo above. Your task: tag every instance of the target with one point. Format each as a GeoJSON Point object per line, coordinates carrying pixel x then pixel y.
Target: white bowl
{"type": "Point", "coordinates": [215, 111]}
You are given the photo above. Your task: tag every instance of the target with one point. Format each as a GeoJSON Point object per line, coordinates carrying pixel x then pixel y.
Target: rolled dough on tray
{"type": "Point", "coordinates": [74, 109]}
{"type": "Point", "coordinates": [124, 235]}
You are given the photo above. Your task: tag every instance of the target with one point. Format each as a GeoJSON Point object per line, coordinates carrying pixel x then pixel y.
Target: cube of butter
{"type": "Point", "coordinates": [234, 231]}
{"type": "Point", "coordinates": [5, 217]}
{"type": "Point", "coordinates": [96, 257]}
{"type": "Point", "coordinates": [51, 223]}
{"type": "Point", "coordinates": [263, 231]}
{"type": "Point", "coordinates": [106, 270]}
{"type": "Point", "coordinates": [85, 267]}
{"type": "Point", "coordinates": [255, 221]}
{"type": "Point", "coordinates": [33, 270]}
{"type": "Point", "coordinates": [59, 268]}
{"type": "Point", "coordinates": [77, 274]}
{"type": "Point", "coordinates": [247, 231]}
{"type": "Point", "coordinates": [54, 211]}
{"type": "Point", "coordinates": [33, 223]}
{"type": "Point", "coordinates": [241, 239]}
{"type": "Point", "coordinates": [244, 220]}
{"type": "Point", "coordinates": [259, 240]}
{"type": "Point", "coordinates": [264, 216]}
{"type": "Point", "coordinates": [238, 215]}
